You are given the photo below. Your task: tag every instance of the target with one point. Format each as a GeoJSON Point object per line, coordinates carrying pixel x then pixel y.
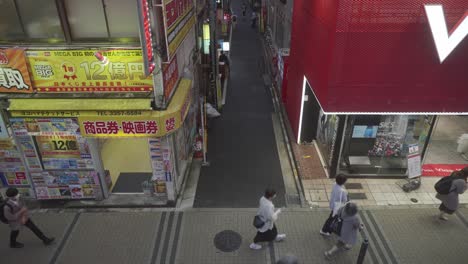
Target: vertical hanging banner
{"type": "Point", "coordinates": [14, 75]}
{"type": "Point", "coordinates": [178, 20]}
{"type": "Point", "coordinates": [170, 77]}
{"type": "Point", "coordinates": [146, 36]}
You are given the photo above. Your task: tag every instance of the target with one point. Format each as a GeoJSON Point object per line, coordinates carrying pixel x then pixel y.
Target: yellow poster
{"type": "Point", "coordinates": [62, 71]}
{"type": "Point", "coordinates": [58, 146]}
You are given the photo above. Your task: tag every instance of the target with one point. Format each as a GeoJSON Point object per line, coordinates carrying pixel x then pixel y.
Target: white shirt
{"type": "Point", "coordinates": [337, 193]}
{"type": "Point", "coordinates": [267, 213]}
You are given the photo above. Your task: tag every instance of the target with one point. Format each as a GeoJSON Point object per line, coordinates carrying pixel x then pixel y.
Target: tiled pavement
{"type": "Point", "coordinates": [155, 236]}
{"type": "Point", "coordinates": [377, 192]}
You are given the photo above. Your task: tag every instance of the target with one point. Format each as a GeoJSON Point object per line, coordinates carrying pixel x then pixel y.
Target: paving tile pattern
{"type": "Point", "coordinates": [196, 244]}
{"type": "Point", "coordinates": [111, 238]}
{"type": "Point", "coordinates": [417, 236]}
{"type": "Point", "coordinates": [52, 224]}
{"type": "Point", "coordinates": [379, 192]}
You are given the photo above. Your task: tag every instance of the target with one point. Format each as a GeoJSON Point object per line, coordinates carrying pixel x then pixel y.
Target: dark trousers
{"type": "Point", "coordinates": [327, 226]}
{"type": "Point", "coordinates": [266, 236]}
{"type": "Point", "coordinates": [29, 224]}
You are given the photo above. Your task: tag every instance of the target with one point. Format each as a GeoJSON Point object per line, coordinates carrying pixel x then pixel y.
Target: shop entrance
{"type": "Point", "coordinates": [128, 163]}
{"type": "Point", "coordinates": [449, 141]}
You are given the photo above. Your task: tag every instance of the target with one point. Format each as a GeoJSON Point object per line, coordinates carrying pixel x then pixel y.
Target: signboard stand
{"type": "Point", "coordinates": [414, 170]}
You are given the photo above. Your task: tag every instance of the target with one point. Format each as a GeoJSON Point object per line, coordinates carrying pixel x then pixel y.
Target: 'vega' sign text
{"type": "Point", "coordinates": [444, 43]}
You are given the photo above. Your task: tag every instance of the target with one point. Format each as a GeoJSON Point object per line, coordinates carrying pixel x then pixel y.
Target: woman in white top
{"type": "Point", "coordinates": [269, 215]}
{"type": "Point", "coordinates": [339, 196]}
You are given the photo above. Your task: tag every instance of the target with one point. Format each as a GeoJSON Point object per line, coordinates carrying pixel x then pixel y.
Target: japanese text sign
{"type": "Point", "coordinates": [88, 71]}
{"type": "Point", "coordinates": [56, 146]}
{"type": "Point", "coordinates": [118, 126]}
{"type": "Point", "coordinates": [170, 77]}
{"type": "Point", "coordinates": [14, 76]}
{"type": "Point", "coordinates": [179, 19]}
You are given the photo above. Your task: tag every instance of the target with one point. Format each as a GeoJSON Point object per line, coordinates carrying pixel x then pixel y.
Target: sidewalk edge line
{"type": "Point", "coordinates": [67, 234]}
{"type": "Point", "coordinates": [462, 218]}
{"type": "Point", "coordinates": [159, 233]}
{"type": "Point", "coordinates": [170, 222]}
{"type": "Point", "coordinates": [383, 238]}
{"type": "Point", "coordinates": [175, 243]}
{"type": "Point", "coordinates": [271, 249]}
{"type": "Point", "coordinates": [374, 246]}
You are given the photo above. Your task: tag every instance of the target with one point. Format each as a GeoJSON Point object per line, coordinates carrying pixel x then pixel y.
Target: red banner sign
{"type": "Point", "coordinates": [440, 170]}
{"type": "Point", "coordinates": [170, 77]}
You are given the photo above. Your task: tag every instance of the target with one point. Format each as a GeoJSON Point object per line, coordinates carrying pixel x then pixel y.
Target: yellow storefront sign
{"type": "Point", "coordinates": [58, 146]}
{"type": "Point", "coordinates": [152, 124]}
{"type": "Point", "coordinates": [84, 71]}
{"type": "Point", "coordinates": [133, 120]}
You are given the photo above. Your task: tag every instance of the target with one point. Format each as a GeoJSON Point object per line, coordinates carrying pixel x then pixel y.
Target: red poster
{"type": "Point", "coordinates": [170, 77]}
{"type": "Point", "coordinates": [440, 170]}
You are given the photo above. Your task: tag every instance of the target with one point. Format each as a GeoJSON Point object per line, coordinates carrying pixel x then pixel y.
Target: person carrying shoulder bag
{"type": "Point", "coordinates": [338, 198]}
{"type": "Point", "coordinates": [266, 212]}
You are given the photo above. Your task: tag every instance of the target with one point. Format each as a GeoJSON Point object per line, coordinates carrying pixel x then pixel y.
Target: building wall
{"type": "Point", "coordinates": [374, 56]}
{"type": "Point", "coordinates": [311, 42]}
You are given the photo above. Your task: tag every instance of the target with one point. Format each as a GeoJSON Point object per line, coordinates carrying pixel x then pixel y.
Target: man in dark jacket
{"type": "Point", "coordinates": [17, 215]}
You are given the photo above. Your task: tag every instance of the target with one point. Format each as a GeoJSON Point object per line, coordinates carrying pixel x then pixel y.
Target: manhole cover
{"type": "Point", "coordinates": [227, 241]}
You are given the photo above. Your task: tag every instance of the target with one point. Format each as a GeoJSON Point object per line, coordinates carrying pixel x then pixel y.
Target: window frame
{"type": "Point", "coordinates": [68, 39]}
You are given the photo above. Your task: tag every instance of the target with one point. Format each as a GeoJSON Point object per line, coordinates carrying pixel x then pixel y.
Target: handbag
{"type": "Point", "coordinates": [336, 225]}
{"type": "Point", "coordinates": [258, 222]}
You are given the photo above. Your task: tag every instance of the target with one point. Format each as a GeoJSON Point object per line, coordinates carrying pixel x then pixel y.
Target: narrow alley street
{"type": "Point", "coordinates": [241, 146]}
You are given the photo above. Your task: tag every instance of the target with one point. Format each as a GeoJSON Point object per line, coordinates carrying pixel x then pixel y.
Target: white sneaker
{"type": "Point", "coordinates": [324, 233]}
{"type": "Point", "coordinates": [280, 237]}
{"type": "Point", "coordinates": [255, 246]}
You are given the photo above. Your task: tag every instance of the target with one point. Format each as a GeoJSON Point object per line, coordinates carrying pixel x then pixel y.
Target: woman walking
{"type": "Point", "coordinates": [450, 201]}
{"type": "Point", "coordinates": [268, 215]}
{"type": "Point", "coordinates": [351, 225]}
{"type": "Point", "coordinates": [338, 197]}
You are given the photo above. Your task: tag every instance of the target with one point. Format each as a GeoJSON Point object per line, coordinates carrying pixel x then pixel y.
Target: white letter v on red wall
{"type": "Point", "coordinates": [445, 44]}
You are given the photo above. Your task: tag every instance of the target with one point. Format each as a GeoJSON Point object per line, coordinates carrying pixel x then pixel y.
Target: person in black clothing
{"type": "Point", "coordinates": [244, 9]}
{"type": "Point", "coordinates": [223, 58]}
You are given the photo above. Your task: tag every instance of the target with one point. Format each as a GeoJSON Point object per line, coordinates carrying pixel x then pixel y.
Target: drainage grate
{"type": "Point", "coordinates": [357, 196]}
{"type": "Point", "coordinates": [353, 185]}
{"type": "Point", "coordinates": [227, 241]}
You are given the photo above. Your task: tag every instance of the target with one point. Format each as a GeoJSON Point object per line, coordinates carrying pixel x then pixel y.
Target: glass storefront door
{"type": "Point", "coordinates": [377, 145]}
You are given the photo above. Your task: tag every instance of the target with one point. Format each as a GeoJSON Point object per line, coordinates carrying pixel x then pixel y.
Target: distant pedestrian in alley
{"type": "Point", "coordinates": [448, 191]}
{"type": "Point", "coordinates": [350, 227]}
{"type": "Point", "coordinates": [338, 198]}
{"type": "Point", "coordinates": [244, 9]}
{"type": "Point", "coordinates": [17, 216]}
{"type": "Point", "coordinates": [266, 212]}
{"type": "Point", "coordinates": [234, 21]}
{"type": "Point", "coordinates": [254, 18]}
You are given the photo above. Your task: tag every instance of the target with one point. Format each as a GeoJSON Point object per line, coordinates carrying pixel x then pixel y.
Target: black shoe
{"type": "Point", "coordinates": [17, 245]}
{"type": "Point", "coordinates": [48, 241]}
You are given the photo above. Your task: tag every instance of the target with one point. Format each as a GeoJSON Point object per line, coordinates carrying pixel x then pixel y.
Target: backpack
{"type": "Point", "coordinates": [2, 211]}
{"type": "Point", "coordinates": [443, 185]}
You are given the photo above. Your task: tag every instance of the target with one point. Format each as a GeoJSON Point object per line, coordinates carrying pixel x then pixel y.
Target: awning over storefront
{"type": "Point", "coordinates": [78, 104]}
{"type": "Point", "coordinates": [111, 117]}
